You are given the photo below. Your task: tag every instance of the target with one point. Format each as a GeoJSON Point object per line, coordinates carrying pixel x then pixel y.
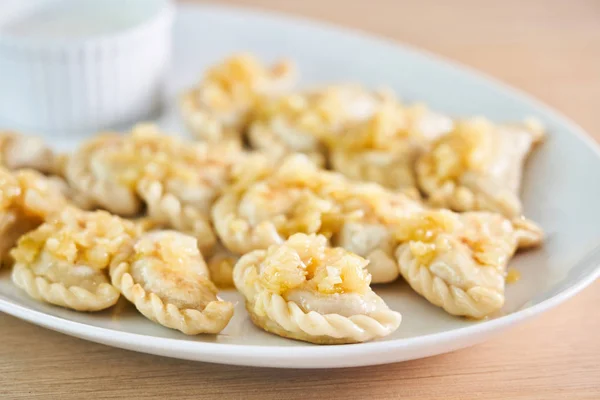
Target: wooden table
{"type": "Point", "coordinates": [550, 49]}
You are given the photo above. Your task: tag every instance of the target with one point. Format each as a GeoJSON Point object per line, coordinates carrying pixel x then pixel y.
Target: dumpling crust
{"type": "Point", "coordinates": [76, 287]}
{"type": "Point", "coordinates": [164, 275]}
{"type": "Point", "coordinates": [27, 199]}
{"type": "Point", "coordinates": [176, 180]}
{"type": "Point", "coordinates": [299, 197]}
{"type": "Point", "coordinates": [27, 152]}
{"type": "Point", "coordinates": [219, 107]}
{"type": "Point", "coordinates": [64, 261]}
{"type": "Point", "coordinates": [374, 212]}
{"type": "Point", "coordinates": [458, 262]}
{"type": "Point", "coordinates": [296, 197]}
{"type": "Point", "coordinates": [305, 290]}
{"type": "Point", "coordinates": [384, 148]}
{"type": "Point", "coordinates": [306, 122]}
{"type": "Point", "coordinates": [478, 166]}
{"type": "Point", "coordinates": [104, 171]}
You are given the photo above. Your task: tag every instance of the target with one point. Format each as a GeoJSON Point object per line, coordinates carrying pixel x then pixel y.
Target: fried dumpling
{"type": "Point", "coordinates": [478, 166]}
{"type": "Point", "coordinates": [164, 275]}
{"type": "Point", "coordinates": [304, 290]}
{"type": "Point", "coordinates": [305, 122]}
{"type": "Point", "coordinates": [64, 261]}
{"type": "Point", "coordinates": [384, 148]}
{"type": "Point", "coordinates": [218, 107]}
{"type": "Point", "coordinates": [105, 169]}
{"type": "Point", "coordinates": [459, 261]}
{"type": "Point", "coordinates": [19, 152]}
{"type": "Point", "coordinates": [176, 181]}
{"type": "Point", "coordinates": [300, 197]}
{"type": "Point", "coordinates": [296, 197]}
{"type": "Point", "coordinates": [372, 212]}
{"type": "Point", "coordinates": [27, 199]}
{"type": "Point", "coordinates": [26, 152]}
{"type": "Point", "coordinates": [180, 196]}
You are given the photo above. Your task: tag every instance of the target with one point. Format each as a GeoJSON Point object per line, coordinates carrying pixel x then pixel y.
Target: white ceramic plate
{"type": "Point", "coordinates": [561, 192]}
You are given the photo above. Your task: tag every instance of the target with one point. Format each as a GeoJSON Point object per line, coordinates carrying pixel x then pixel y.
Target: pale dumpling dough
{"type": "Point", "coordinates": [384, 148]}
{"type": "Point", "coordinates": [219, 107]}
{"type": "Point", "coordinates": [21, 151]}
{"type": "Point", "coordinates": [459, 261]}
{"type": "Point", "coordinates": [105, 169]}
{"type": "Point", "coordinates": [305, 122]}
{"type": "Point", "coordinates": [181, 195]}
{"type": "Point", "coordinates": [177, 181]}
{"type": "Point", "coordinates": [296, 197]}
{"type": "Point", "coordinates": [164, 275]}
{"type": "Point", "coordinates": [300, 197]}
{"type": "Point", "coordinates": [64, 261]}
{"type": "Point", "coordinates": [372, 213]}
{"type": "Point", "coordinates": [304, 290]}
{"type": "Point", "coordinates": [27, 199]}
{"type": "Point", "coordinates": [478, 166]}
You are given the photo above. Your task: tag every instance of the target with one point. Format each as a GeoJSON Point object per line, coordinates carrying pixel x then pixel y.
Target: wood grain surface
{"type": "Point", "coordinates": [549, 48]}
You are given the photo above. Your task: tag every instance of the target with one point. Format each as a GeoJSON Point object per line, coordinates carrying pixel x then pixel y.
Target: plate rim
{"type": "Point", "coordinates": [328, 356]}
{"type": "Point", "coordinates": [334, 354]}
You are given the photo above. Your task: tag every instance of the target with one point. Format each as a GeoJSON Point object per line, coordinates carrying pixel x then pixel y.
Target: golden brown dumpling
{"type": "Point", "coordinates": [478, 166]}
{"type": "Point", "coordinates": [164, 275]}
{"type": "Point", "coordinates": [27, 199]}
{"type": "Point", "coordinates": [459, 261]}
{"type": "Point", "coordinates": [105, 169]}
{"type": "Point", "coordinates": [300, 197]}
{"type": "Point", "coordinates": [296, 197]}
{"type": "Point", "coordinates": [372, 214]}
{"type": "Point", "coordinates": [304, 290]}
{"type": "Point", "coordinates": [64, 261]}
{"type": "Point", "coordinates": [27, 152]}
{"type": "Point", "coordinates": [305, 122]}
{"type": "Point", "coordinates": [384, 148]}
{"type": "Point", "coordinates": [176, 181]}
{"type": "Point", "coordinates": [218, 108]}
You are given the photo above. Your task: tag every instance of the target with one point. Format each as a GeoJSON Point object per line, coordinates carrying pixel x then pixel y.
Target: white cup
{"type": "Point", "coordinates": [70, 66]}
